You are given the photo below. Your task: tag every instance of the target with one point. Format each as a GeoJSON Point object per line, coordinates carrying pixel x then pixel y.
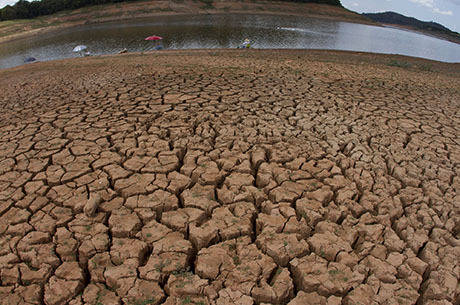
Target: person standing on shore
{"type": "Point", "coordinates": [246, 44]}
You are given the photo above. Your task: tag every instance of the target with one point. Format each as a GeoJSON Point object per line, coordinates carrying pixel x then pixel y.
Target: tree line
{"type": "Point", "coordinates": [24, 9]}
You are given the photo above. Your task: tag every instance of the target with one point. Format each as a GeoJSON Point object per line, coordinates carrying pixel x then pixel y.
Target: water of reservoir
{"type": "Point", "coordinates": [227, 31]}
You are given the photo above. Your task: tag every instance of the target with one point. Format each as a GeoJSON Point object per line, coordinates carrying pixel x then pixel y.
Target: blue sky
{"type": "Point", "coordinates": [445, 12]}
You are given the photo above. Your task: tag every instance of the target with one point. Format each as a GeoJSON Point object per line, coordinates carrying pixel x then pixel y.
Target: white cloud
{"type": "Point", "coordinates": [438, 11]}
{"type": "Point", "coordinates": [427, 3]}
{"type": "Point", "coordinates": [430, 4]}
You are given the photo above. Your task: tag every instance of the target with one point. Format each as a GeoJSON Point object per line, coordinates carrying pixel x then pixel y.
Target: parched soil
{"type": "Point", "coordinates": [230, 177]}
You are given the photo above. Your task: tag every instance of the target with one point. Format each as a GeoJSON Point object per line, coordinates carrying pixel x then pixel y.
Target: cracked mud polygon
{"type": "Point", "coordinates": [224, 177]}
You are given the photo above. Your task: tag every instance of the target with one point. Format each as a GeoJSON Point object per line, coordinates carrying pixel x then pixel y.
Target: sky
{"type": "Point", "coordinates": [445, 12]}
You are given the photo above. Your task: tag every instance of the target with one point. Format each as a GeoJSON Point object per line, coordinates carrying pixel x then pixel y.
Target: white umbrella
{"type": "Point", "coordinates": [79, 48]}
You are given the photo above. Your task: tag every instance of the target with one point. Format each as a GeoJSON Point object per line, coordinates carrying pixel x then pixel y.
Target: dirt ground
{"type": "Point", "coordinates": [230, 177]}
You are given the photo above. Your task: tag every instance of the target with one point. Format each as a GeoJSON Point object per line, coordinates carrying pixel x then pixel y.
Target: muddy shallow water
{"type": "Point", "coordinates": [228, 31]}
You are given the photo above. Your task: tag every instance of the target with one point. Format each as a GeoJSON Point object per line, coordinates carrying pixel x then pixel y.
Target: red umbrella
{"type": "Point", "coordinates": [154, 38]}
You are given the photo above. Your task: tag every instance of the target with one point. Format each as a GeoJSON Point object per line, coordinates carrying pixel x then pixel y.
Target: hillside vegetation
{"type": "Point", "coordinates": [24, 9]}
{"type": "Point", "coordinates": [398, 19]}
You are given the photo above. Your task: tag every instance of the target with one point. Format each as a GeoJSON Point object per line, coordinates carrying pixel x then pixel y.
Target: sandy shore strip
{"type": "Point", "coordinates": [230, 177]}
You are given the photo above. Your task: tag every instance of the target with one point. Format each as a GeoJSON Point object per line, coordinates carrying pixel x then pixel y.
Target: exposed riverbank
{"type": "Point", "coordinates": [225, 177]}
{"type": "Point", "coordinates": [15, 29]}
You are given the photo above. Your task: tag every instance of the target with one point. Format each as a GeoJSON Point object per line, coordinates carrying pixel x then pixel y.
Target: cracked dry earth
{"type": "Point", "coordinates": [229, 177]}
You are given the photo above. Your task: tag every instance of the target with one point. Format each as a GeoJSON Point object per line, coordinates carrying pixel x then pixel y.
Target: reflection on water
{"type": "Point", "coordinates": [228, 31]}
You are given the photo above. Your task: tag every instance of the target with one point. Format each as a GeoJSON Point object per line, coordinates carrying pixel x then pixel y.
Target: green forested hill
{"type": "Point", "coordinates": [395, 18]}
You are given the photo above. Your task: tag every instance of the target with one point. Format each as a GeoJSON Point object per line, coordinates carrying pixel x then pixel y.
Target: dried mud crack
{"type": "Point", "coordinates": [229, 177]}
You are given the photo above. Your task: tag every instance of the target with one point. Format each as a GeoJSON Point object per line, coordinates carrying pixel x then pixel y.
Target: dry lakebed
{"type": "Point", "coordinates": [230, 177]}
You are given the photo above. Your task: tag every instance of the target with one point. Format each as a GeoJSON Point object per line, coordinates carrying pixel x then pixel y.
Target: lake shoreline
{"type": "Point", "coordinates": [358, 58]}
{"type": "Point", "coordinates": [422, 32]}
{"type": "Point", "coordinates": [53, 29]}
{"type": "Point", "coordinates": [132, 11]}
{"type": "Point", "coordinates": [127, 12]}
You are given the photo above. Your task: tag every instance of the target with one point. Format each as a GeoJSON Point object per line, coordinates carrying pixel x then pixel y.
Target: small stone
{"type": "Point", "coordinates": [92, 204]}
